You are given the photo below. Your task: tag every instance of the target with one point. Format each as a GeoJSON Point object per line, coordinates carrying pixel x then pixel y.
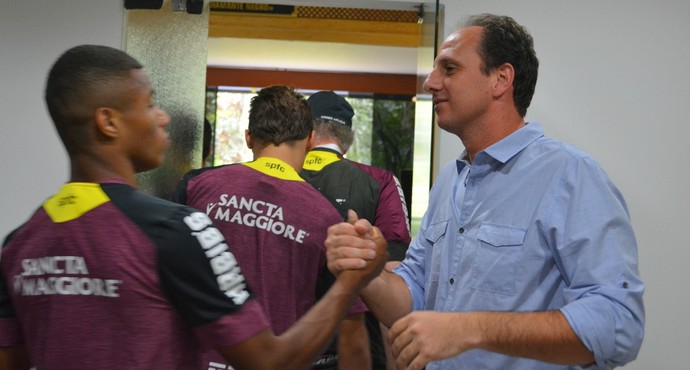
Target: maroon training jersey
{"type": "Point", "coordinates": [277, 223]}
{"type": "Point", "coordinates": [106, 277]}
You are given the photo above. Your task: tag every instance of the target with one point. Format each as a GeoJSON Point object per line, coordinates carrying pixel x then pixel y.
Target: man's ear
{"type": "Point", "coordinates": [311, 140]}
{"type": "Point", "coordinates": [248, 139]}
{"type": "Point", "coordinates": [505, 74]}
{"type": "Point", "coordinates": [107, 122]}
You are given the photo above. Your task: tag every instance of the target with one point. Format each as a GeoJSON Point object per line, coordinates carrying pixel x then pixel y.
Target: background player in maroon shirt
{"type": "Point", "coordinates": [103, 276]}
{"type": "Point", "coordinates": [277, 220]}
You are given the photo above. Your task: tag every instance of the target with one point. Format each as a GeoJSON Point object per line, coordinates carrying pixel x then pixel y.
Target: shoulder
{"type": "Point", "coordinates": [551, 152]}
{"type": "Point", "coordinates": [9, 237]}
{"type": "Point", "coordinates": [552, 145]}
{"type": "Point", "coordinates": [130, 201]}
{"type": "Point", "coordinates": [193, 178]}
{"type": "Point", "coordinates": [211, 171]}
{"type": "Point", "coordinates": [382, 180]}
{"type": "Point", "coordinates": [161, 217]}
{"type": "Point", "coordinates": [567, 167]}
{"type": "Point", "coordinates": [377, 173]}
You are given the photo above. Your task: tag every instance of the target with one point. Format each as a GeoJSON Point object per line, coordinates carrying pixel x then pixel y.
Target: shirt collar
{"type": "Point", "coordinates": [508, 147]}
{"type": "Point", "coordinates": [334, 147]}
{"type": "Point", "coordinates": [462, 161]}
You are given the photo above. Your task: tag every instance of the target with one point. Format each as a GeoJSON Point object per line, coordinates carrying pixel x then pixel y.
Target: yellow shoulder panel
{"type": "Point", "coordinates": [73, 200]}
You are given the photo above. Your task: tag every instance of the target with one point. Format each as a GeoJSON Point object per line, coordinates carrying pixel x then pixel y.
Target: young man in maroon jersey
{"type": "Point", "coordinates": [103, 276]}
{"type": "Point", "coordinates": [277, 220]}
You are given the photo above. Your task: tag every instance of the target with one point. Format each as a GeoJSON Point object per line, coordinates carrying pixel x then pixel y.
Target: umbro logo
{"type": "Point", "coordinates": [67, 200]}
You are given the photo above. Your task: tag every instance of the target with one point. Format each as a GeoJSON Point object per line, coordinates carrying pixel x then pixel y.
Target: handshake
{"type": "Point", "coordinates": [356, 251]}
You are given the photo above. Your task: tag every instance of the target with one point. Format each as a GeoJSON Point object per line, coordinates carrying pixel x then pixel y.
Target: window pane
{"type": "Point", "coordinates": [232, 118]}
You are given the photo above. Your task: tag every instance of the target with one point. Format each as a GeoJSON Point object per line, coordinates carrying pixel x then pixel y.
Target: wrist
{"type": "Point", "coordinates": [349, 282]}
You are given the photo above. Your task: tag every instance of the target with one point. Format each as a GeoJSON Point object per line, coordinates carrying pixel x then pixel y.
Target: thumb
{"type": "Point", "coordinates": [352, 217]}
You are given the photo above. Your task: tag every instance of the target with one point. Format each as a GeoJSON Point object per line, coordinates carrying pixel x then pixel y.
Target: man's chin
{"type": "Point", "coordinates": [145, 167]}
{"type": "Point", "coordinates": [442, 124]}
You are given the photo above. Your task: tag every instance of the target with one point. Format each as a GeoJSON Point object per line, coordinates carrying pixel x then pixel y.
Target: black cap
{"type": "Point", "coordinates": [331, 106]}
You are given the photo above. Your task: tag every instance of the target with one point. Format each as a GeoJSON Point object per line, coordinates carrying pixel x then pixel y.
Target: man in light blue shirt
{"type": "Point", "coordinates": [526, 258]}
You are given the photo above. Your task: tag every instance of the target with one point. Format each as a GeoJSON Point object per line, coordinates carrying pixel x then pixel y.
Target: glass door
{"type": "Point", "coordinates": [423, 172]}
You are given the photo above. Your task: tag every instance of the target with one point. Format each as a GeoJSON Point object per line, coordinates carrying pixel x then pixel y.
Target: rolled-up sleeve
{"type": "Point", "coordinates": [597, 253]}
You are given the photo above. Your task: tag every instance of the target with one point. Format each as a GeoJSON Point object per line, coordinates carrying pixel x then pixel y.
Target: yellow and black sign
{"type": "Point", "coordinates": [219, 6]}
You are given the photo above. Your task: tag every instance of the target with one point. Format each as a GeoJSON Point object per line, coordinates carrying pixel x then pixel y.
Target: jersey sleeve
{"type": "Point", "coordinates": [10, 332]}
{"type": "Point", "coordinates": [202, 279]}
{"type": "Point", "coordinates": [391, 214]}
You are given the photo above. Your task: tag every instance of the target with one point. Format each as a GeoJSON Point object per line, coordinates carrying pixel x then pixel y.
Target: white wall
{"type": "Point", "coordinates": [32, 35]}
{"type": "Point", "coordinates": [613, 81]}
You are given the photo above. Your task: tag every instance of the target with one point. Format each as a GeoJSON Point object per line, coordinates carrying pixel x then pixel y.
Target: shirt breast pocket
{"type": "Point", "coordinates": [498, 252]}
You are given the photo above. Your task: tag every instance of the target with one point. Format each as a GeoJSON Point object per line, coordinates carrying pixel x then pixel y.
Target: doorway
{"type": "Point", "coordinates": [376, 54]}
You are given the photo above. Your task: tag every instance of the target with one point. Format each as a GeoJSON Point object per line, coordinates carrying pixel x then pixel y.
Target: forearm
{"type": "Point", "coordinates": [354, 352]}
{"type": "Point", "coordinates": [303, 341]}
{"type": "Point", "coordinates": [387, 297]}
{"type": "Point", "coordinates": [544, 336]}
{"type": "Point", "coordinates": [310, 336]}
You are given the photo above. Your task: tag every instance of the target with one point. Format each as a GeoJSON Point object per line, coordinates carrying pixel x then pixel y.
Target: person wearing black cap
{"type": "Point", "coordinates": [373, 193]}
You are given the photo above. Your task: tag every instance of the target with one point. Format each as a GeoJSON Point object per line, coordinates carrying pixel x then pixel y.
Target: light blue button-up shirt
{"type": "Point", "coordinates": [532, 224]}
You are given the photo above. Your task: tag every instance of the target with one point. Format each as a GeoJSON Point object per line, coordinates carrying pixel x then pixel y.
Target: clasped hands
{"type": "Point", "coordinates": [418, 337]}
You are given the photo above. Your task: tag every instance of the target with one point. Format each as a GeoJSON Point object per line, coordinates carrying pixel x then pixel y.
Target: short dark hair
{"type": "Point", "coordinates": [278, 114]}
{"type": "Point", "coordinates": [83, 79]}
{"type": "Point", "coordinates": [506, 41]}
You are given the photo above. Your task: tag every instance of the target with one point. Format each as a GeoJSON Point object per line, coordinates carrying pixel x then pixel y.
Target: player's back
{"type": "Point", "coordinates": [276, 224]}
{"type": "Point", "coordinates": [86, 287]}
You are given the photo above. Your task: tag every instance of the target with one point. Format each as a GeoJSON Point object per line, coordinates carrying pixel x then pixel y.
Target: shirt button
{"type": "Point", "coordinates": [461, 230]}
{"type": "Point", "coordinates": [452, 281]}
